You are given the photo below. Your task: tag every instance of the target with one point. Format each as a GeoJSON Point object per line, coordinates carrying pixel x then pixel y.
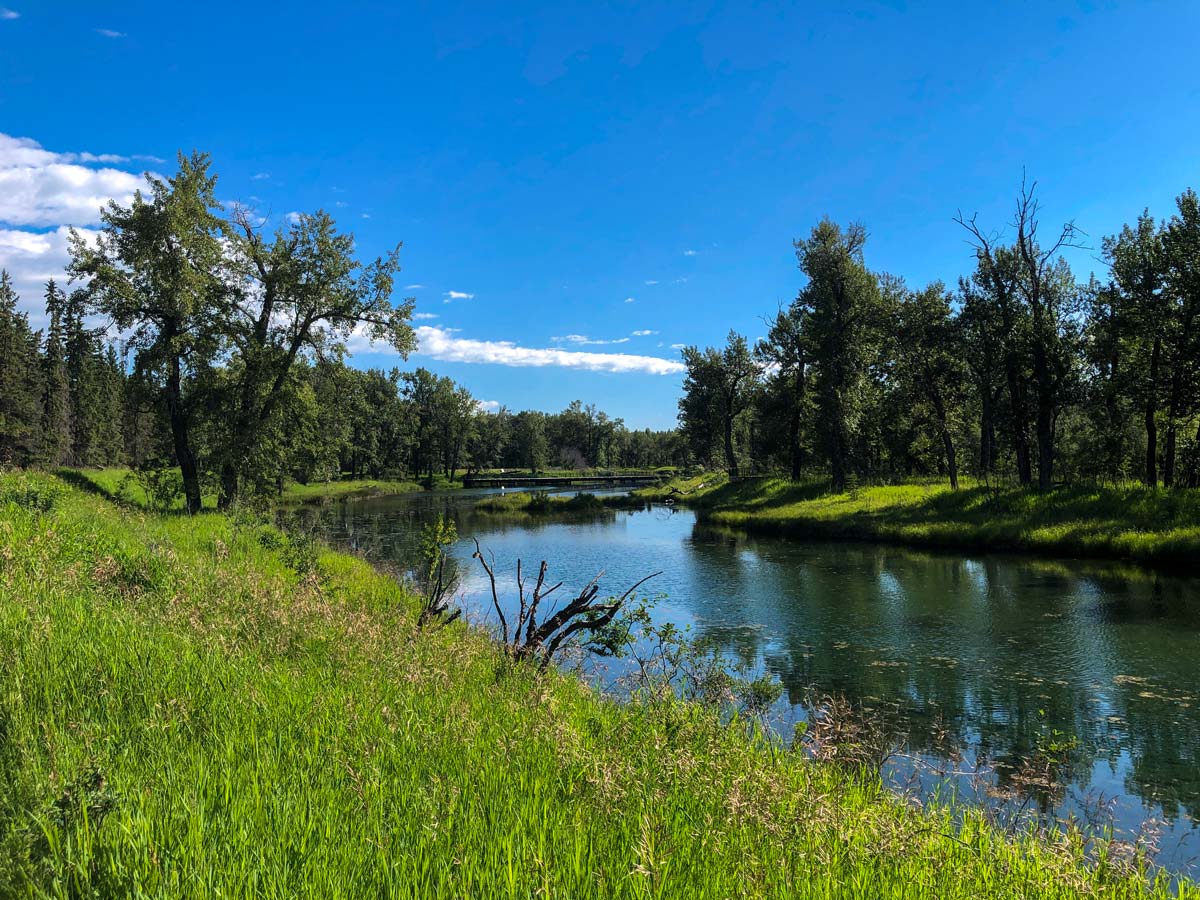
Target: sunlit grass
{"type": "Point", "coordinates": [119, 482]}
{"type": "Point", "coordinates": [186, 711]}
{"type": "Point", "coordinates": [1122, 521]}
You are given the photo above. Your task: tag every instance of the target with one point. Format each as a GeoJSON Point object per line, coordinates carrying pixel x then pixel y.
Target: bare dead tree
{"type": "Point", "coordinates": [1023, 272]}
{"type": "Point", "coordinates": [1036, 264]}
{"type": "Point", "coordinates": [437, 597]}
{"type": "Point", "coordinates": [584, 616]}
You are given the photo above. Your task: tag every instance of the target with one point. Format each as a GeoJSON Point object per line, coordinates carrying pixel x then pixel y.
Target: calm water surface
{"type": "Point", "coordinates": [979, 656]}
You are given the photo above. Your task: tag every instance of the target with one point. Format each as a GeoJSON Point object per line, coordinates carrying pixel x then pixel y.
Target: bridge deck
{"type": "Point", "coordinates": [519, 481]}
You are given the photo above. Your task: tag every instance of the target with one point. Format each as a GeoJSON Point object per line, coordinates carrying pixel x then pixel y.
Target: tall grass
{"type": "Point", "coordinates": [191, 707]}
{"type": "Point", "coordinates": [1119, 521]}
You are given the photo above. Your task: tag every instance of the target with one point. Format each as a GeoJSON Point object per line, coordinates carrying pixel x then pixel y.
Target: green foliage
{"type": "Point", "coordinates": [159, 488]}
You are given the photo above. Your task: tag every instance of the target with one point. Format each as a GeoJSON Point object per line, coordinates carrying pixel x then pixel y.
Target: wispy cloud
{"type": "Point", "coordinates": [443, 345]}
{"type": "Point", "coordinates": [678, 346]}
{"type": "Point", "coordinates": [260, 176]}
{"type": "Point", "coordinates": [689, 252]}
{"type": "Point", "coordinates": [425, 315]}
{"type": "Point", "coordinates": [644, 332]}
{"type": "Point", "coordinates": [6, 13]}
{"type": "Point", "coordinates": [651, 281]}
{"type": "Point", "coordinates": [630, 300]}
{"type": "Point", "coordinates": [451, 296]}
{"type": "Point", "coordinates": [109, 33]}
{"type": "Point", "coordinates": [584, 340]}
{"type": "Point", "coordinates": [366, 215]}
{"type": "Point", "coordinates": [413, 287]}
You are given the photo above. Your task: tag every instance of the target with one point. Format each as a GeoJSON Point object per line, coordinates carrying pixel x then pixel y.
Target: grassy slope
{"type": "Point", "coordinates": [1128, 522]}
{"type": "Point", "coordinates": [111, 481]}
{"type": "Point", "coordinates": [257, 732]}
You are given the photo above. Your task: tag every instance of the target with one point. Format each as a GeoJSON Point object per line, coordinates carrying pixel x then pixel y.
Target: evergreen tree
{"type": "Point", "coordinates": [20, 381]}
{"type": "Point", "coordinates": [56, 391]}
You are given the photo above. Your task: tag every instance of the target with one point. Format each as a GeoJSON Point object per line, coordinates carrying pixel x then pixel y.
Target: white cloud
{"type": "Point", "coordinates": [678, 346]}
{"type": "Point", "coordinates": [650, 281]}
{"type": "Point", "coordinates": [644, 332]}
{"type": "Point", "coordinates": [366, 215]}
{"type": "Point", "coordinates": [584, 340]}
{"type": "Point", "coordinates": [424, 315]}
{"type": "Point", "coordinates": [689, 252]}
{"type": "Point", "coordinates": [109, 33]}
{"type": "Point", "coordinates": [487, 406]}
{"type": "Point", "coordinates": [443, 345]}
{"type": "Point", "coordinates": [260, 176]}
{"type": "Point", "coordinates": [32, 259]}
{"type": "Point", "coordinates": [9, 13]}
{"type": "Point", "coordinates": [457, 295]}
{"type": "Point", "coordinates": [39, 187]}
{"type": "Point", "coordinates": [413, 287]}
{"type": "Point", "coordinates": [629, 300]}
{"type": "Point", "coordinates": [293, 218]}
{"type": "Point", "coordinates": [340, 204]}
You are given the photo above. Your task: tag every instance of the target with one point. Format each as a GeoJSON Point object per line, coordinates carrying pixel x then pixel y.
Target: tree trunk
{"type": "Point", "coordinates": [229, 485]}
{"type": "Point", "coordinates": [939, 407]}
{"type": "Point", "coordinates": [1151, 415]}
{"type": "Point", "coordinates": [987, 432]}
{"type": "Point", "coordinates": [1020, 438]}
{"type": "Point", "coordinates": [1045, 441]}
{"type": "Point", "coordinates": [951, 458]}
{"type": "Point", "coordinates": [730, 457]}
{"type": "Point", "coordinates": [1044, 418]}
{"type": "Point", "coordinates": [797, 452]}
{"type": "Point", "coordinates": [1169, 456]}
{"type": "Point", "coordinates": [179, 435]}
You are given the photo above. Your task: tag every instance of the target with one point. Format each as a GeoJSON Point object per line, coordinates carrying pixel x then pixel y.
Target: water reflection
{"type": "Point", "coordinates": [991, 656]}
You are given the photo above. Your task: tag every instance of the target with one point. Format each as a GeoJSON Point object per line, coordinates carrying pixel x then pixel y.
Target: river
{"type": "Point", "coordinates": [977, 660]}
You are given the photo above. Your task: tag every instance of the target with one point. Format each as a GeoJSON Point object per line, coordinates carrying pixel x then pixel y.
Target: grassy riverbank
{"type": "Point", "coordinates": [1118, 522]}
{"type": "Point", "coordinates": [537, 502]}
{"type": "Point", "coordinates": [200, 707]}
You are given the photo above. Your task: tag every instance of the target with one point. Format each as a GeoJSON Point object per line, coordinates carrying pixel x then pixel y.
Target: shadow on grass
{"type": "Point", "coordinates": [78, 479]}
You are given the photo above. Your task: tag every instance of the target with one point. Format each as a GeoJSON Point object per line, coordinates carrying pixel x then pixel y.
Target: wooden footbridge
{"type": "Point", "coordinates": [518, 482]}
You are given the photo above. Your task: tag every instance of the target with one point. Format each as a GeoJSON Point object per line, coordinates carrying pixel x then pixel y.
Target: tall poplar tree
{"type": "Point", "coordinates": [157, 270]}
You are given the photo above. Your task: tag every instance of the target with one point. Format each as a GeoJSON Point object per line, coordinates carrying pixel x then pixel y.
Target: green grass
{"type": "Point", "coordinates": [538, 502]}
{"type": "Point", "coordinates": [1119, 522]}
{"type": "Point", "coordinates": [117, 483]}
{"type": "Point", "coordinates": [315, 492]}
{"type": "Point", "coordinates": [199, 707]}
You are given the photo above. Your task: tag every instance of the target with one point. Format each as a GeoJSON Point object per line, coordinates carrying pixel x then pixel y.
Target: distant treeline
{"type": "Point", "coordinates": [231, 362]}
{"type": "Point", "coordinates": [1021, 371]}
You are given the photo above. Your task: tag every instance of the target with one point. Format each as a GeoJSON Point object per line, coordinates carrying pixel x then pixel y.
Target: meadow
{"type": "Point", "coordinates": [204, 706]}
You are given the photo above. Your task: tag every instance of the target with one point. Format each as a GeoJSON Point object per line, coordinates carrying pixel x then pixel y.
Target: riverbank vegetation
{"type": "Point", "coordinates": [540, 502]}
{"type": "Point", "coordinates": [202, 706]}
{"type": "Point", "coordinates": [1019, 371]}
{"type": "Point", "coordinates": [1150, 525]}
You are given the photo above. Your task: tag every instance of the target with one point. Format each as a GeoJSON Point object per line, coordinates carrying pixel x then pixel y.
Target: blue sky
{"type": "Point", "coordinates": [587, 171]}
